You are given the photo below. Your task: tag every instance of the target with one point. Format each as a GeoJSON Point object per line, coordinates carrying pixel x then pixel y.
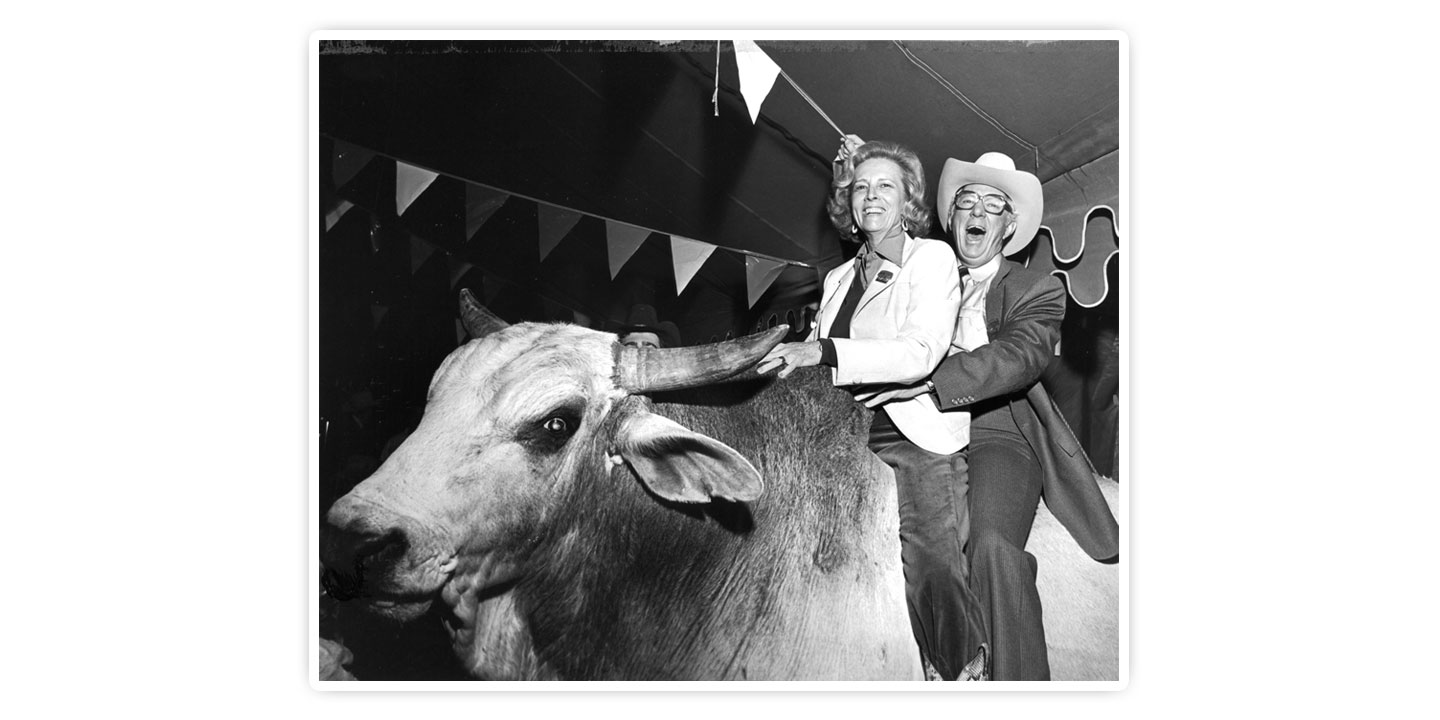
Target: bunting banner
{"type": "Point", "coordinates": [688, 255]}
{"type": "Point", "coordinates": [759, 275]}
{"type": "Point", "coordinates": [757, 75]}
{"type": "Point", "coordinates": [420, 251]}
{"type": "Point", "coordinates": [480, 203]}
{"type": "Point", "coordinates": [621, 243]}
{"type": "Point", "coordinates": [555, 224]}
{"type": "Point", "coordinates": [339, 212]}
{"type": "Point", "coordinates": [410, 181]}
{"type": "Point", "coordinates": [349, 160]}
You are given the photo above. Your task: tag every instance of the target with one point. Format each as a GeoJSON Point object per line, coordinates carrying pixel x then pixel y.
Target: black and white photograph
{"type": "Point", "coordinates": [665, 357]}
{"type": "Point", "coordinates": [711, 360]}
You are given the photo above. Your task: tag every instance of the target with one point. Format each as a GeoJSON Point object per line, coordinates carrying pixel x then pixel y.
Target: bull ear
{"type": "Point", "coordinates": [679, 464]}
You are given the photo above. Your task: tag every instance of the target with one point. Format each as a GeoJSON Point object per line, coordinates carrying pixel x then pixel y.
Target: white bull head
{"type": "Point", "coordinates": [511, 418]}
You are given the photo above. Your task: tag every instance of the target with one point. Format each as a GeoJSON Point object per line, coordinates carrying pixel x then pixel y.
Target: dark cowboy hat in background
{"type": "Point", "coordinates": [642, 318]}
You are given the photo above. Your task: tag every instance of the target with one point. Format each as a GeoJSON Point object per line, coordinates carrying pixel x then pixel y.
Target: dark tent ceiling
{"type": "Point", "coordinates": [627, 131]}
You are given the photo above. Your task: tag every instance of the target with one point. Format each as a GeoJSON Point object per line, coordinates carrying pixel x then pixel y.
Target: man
{"type": "Point", "coordinates": [1020, 448]}
{"type": "Point", "coordinates": [643, 328]}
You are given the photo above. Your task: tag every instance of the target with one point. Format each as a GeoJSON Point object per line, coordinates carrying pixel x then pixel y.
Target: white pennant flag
{"type": "Point", "coordinates": [480, 204]}
{"type": "Point", "coordinates": [759, 275]}
{"type": "Point", "coordinates": [757, 75]}
{"type": "Point", "coordinates": [410, 181]}
{"type": "Point", "coordinates": [555, 224]}
{"type": "Point", "coordinates": [688, 255]}
{"type": "Point", "coordinates": [339, 212]}
{"type": "Point", "coordinates": [623, 241]}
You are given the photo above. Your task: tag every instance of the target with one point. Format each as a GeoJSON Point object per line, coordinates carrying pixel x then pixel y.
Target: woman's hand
{"type": "Point", "coordinates": [848, 144]}
{"type": "Point", "coordinates": [788, 357]}
{"type": "Point", "coordinates": [890, 393]}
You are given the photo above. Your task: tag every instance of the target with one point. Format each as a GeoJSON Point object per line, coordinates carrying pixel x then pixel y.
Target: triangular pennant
{"type": "Point", "coordinates": [348, 161]}
{"type": "Point", "coordinates": [376, 313]}
{"type": "Point", "coordinates": [757, 75]}
{"type": "Point", "coordinates": [420, 251]}
{"type": "Point", "coordinates": [410, 181]}
{"type": "Point", "coordinates": [687, 255]}
{"type": "Point", "coordinates": [555, 224]}
{"type": "Point", "coordinates": [622, 242]}
{"type": "Point", "coordinates": [458, 268]}
{"type": "Point", "coordinates": [339, 212]}
{"type": "Point", "coordinates": [480, 203]}
{"type": "Point", "coordinates": [759, 275]}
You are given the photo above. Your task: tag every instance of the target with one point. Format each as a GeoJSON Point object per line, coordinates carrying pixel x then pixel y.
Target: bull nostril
{"type": "Point", "coordinates": [348, 555]}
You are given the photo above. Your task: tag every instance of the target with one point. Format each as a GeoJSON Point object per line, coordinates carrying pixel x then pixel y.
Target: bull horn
{"type": "Point", "coordinates": [478, 321]}
{"type": "Point", "coordinates": [646, 369]}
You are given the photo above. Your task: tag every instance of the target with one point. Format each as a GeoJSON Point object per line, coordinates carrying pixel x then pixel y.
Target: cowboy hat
{"type": "Point", "coordinates": [997, 170]}
{"type": "Point", "coordinates": [643, 318]}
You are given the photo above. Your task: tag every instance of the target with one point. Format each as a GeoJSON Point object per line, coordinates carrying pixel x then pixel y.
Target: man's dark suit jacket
{"type": "Point", "coordinates": [1023, 312]}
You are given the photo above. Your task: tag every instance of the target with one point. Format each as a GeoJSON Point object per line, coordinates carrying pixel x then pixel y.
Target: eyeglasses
{"type": "Point", "coordinates": [994, 204]}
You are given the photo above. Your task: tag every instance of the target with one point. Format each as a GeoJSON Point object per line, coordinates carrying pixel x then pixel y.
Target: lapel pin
{"type": "Point", "coordinates": [884, 276]}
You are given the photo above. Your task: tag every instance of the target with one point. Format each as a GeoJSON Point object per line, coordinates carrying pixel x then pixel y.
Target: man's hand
{"type": "Point", "coordinates": [788, 357]}
{"type": "Point", "coordinates": [890, 393]}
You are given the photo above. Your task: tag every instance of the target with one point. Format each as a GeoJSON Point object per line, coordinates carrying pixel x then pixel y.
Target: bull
{"type": "Point", "coordinates": [580, 530]}
{"type": "Point", "coordinates": [589, 511]}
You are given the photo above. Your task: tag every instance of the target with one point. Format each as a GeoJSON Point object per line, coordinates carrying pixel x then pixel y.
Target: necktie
{"type": "Point", "coordinates": [970, 325]}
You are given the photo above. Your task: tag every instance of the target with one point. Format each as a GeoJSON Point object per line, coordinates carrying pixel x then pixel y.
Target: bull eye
{"type": "Point", "coordinates": [551, 433]}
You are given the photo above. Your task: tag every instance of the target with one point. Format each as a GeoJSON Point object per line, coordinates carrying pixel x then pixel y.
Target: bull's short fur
{"type": "Point", "coordinates": [638, 587]}
{"type": "Point", "coordinates": [560, 564]}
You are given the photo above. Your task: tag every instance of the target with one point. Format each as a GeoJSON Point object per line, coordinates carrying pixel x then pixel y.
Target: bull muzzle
{"type": "Point", "coordinates": [354, 560]}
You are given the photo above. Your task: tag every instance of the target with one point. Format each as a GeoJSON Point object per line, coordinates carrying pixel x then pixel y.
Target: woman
{"type": "Point", "coordinates": [887, 316]}
{"type": "Point", "coordinates": [1020, 448]}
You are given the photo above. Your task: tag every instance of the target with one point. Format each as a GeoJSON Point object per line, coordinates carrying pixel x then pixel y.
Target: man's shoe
{"type": "Point", "coordinates": [979, 667]}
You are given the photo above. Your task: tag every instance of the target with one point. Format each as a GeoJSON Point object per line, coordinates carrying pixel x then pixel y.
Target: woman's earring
{"type": "Point", "coordinates": [854, 228]}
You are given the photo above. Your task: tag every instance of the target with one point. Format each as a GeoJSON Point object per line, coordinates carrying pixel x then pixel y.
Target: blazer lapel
{"type": "Point", "coordinates": [833, 298]}
{"type": "Point", "coordinates": [875, 288]}
{"type": "Point", "coordinates": [995, 299]}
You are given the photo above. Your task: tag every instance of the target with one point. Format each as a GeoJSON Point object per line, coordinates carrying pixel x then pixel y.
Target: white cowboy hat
{"type": "Point", "coordinates": [997, 170]}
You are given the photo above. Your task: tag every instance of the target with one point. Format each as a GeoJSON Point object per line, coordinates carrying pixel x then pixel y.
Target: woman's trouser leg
{"type": "Point", "coordinates": [1004, 493]}
{"type": "Point", "coordinates": [934, 525]}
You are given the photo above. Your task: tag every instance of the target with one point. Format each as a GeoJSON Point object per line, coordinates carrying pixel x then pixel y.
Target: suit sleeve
{"type": "Point", "coordinates": [1016, 355]}
{"type": "Point", "coordinates": [924, 333]}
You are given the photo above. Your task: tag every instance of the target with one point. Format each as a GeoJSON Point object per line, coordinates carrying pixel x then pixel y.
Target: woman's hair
{"type": "Point", "coordinates": [912, 176]}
